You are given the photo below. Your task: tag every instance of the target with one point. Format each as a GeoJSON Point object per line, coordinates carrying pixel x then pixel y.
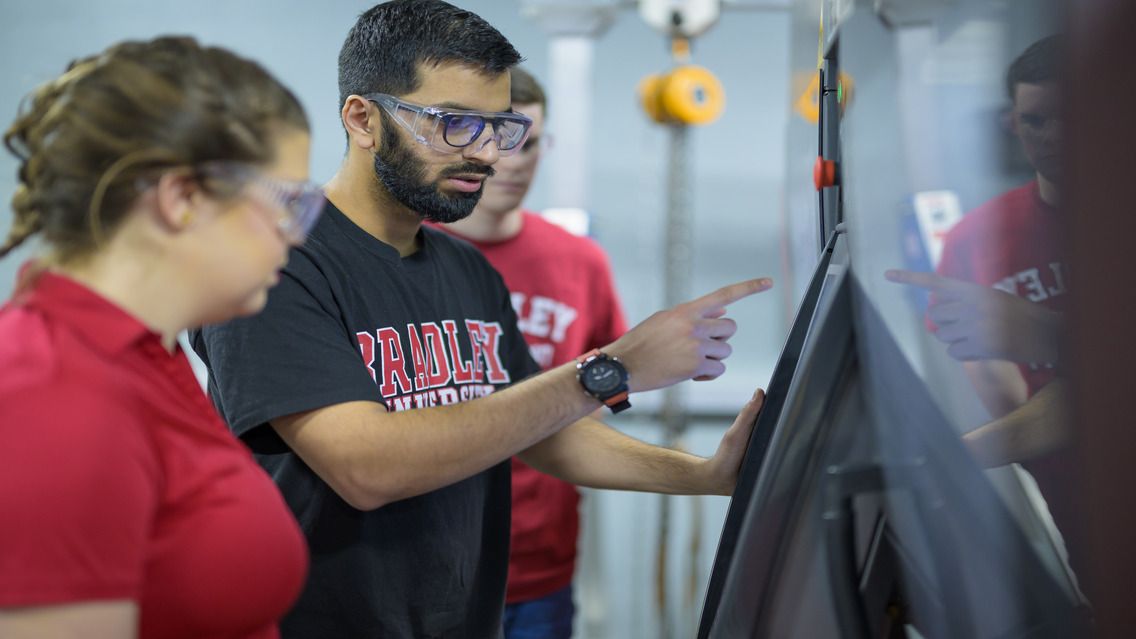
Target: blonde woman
{"type": "Point", "coordinates": [167, 181]}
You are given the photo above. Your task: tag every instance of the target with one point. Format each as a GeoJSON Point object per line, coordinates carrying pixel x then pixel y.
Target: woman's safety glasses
{"type": "Point", "coordinates": [302, 202]}
{"type": "Point", "coordinates": [451, 130]}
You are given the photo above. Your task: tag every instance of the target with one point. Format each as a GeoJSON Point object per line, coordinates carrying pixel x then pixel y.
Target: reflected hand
{"type": "Point", "coordinates": [688, 341]}
{"type": "Point", "coordinates": [724, 466]}
{"type": "Point", "coordinates": [978, 322]}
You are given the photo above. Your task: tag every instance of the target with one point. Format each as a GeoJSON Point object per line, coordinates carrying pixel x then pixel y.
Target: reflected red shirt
{"type": "Point", "coordinates": [119, 481]}
{"type": "Point", "coordinates": [1011, 243]}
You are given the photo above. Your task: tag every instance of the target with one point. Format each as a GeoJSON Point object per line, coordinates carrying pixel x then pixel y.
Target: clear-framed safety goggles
{"type": "Point", "coordinates": [300, 201]}
{"type": "Point", "coordinates": [451, 130]}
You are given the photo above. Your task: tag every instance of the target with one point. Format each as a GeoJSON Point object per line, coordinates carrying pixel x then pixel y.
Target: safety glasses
{"type": "Point", "coordinates": [301, 201]}
{"type": "Point", "coordinates": [450, 131]}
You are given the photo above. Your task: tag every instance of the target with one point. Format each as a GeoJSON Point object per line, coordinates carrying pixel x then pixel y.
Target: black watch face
{"type": "Point", "coordinates": [602, 377]}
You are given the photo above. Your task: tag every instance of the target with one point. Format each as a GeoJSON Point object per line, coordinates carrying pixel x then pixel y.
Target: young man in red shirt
{"type": "Point", "coordinates": [562, 290]}
{"type": "Point", "coordinates": [1009, 343]}
{"type": "Point", "coordinates": [1001, 285]}
{"type": "Point", "coordinates": [1012, 241]}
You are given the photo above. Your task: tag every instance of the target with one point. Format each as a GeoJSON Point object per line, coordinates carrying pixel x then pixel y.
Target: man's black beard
{"type": "Point", "coordinates": [403, 175]}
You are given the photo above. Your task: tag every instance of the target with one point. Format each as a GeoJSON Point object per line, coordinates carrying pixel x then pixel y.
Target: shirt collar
{"type": "Point", "coordinates": [94, 318]}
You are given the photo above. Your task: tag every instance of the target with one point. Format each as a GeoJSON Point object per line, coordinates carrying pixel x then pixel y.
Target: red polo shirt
{"type": "Point", "coordinates": [119, 481]}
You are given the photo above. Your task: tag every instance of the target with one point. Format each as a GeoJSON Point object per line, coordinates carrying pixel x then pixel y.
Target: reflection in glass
{"type": "Point", "coordinates": [917, 480]}
{"type": "Point", "coordinates": [998, 300]}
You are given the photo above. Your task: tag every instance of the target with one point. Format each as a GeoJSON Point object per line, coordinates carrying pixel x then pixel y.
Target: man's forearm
{"type": "Point", "coordinates": [1038, 427]}
{"type": "Point", "coordinates": [591, 453]}
{"type": "Point", "coordinates": [372, 458]}
{"type": "Point", "coordinates": [999, 385]}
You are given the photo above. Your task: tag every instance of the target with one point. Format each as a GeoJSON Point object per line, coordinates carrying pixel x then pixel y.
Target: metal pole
{"type": "Point", "coordinates": [679, 263]}
{"type": "Point", "coordinates": [678, 253]}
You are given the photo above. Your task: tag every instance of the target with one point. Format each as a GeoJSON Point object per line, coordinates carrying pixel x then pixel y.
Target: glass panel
{"type": "Point", "coordinates": [949, 162]}
{"type": "Point", "coordinates": [916, 480]}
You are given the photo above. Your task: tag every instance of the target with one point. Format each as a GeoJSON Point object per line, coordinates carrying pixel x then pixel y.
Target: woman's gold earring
{"type": "Point", "coordinates": [186, 218]}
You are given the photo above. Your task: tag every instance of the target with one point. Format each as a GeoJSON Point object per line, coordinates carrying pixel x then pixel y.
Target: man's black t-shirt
{"type": "Point", "coordinates": [351, 320]}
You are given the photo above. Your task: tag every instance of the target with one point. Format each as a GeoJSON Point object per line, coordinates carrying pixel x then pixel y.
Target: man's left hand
{"type": "Point", "coordinates": [723, 467]}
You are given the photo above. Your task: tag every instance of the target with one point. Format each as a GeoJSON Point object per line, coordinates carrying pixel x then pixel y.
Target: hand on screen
{"type": "Point", "coordinates": [727, 460]}
{"type": "Point", "coordinates": [978, 322]}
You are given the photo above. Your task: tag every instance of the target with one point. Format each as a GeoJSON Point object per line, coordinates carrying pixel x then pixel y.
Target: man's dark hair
{"type": "Point", "coordinates": [1038, 64]}
{"type": "Point", "coordinates": [525, 89]}
{"type": "Point", "coordinates": [383, 50]}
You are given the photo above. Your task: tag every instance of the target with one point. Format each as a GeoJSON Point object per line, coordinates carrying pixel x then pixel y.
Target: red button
{"type": "Point", "coordinates": [824, 173]}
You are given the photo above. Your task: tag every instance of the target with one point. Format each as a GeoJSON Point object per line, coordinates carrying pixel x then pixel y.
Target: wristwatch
{"type": "Point", "coordinates": [604, 378]}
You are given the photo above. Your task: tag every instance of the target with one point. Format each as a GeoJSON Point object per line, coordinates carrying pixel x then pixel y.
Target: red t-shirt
{"type": "Point", "coordinates": [1011, 243]}
{"type": "Point", "coordinates": [119, 481]}
{"type": "Point", "coordinates": [562, 291]}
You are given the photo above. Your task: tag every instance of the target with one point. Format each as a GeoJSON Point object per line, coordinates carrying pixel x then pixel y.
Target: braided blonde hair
{"type": "Point", "coordinates": [85, 139]}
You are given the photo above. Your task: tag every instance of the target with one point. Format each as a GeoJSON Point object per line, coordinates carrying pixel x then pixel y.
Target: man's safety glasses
{"type": "Point", "coordinates": [451, 130]}
{"type": "Point", "coordinates": [301, 201]}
